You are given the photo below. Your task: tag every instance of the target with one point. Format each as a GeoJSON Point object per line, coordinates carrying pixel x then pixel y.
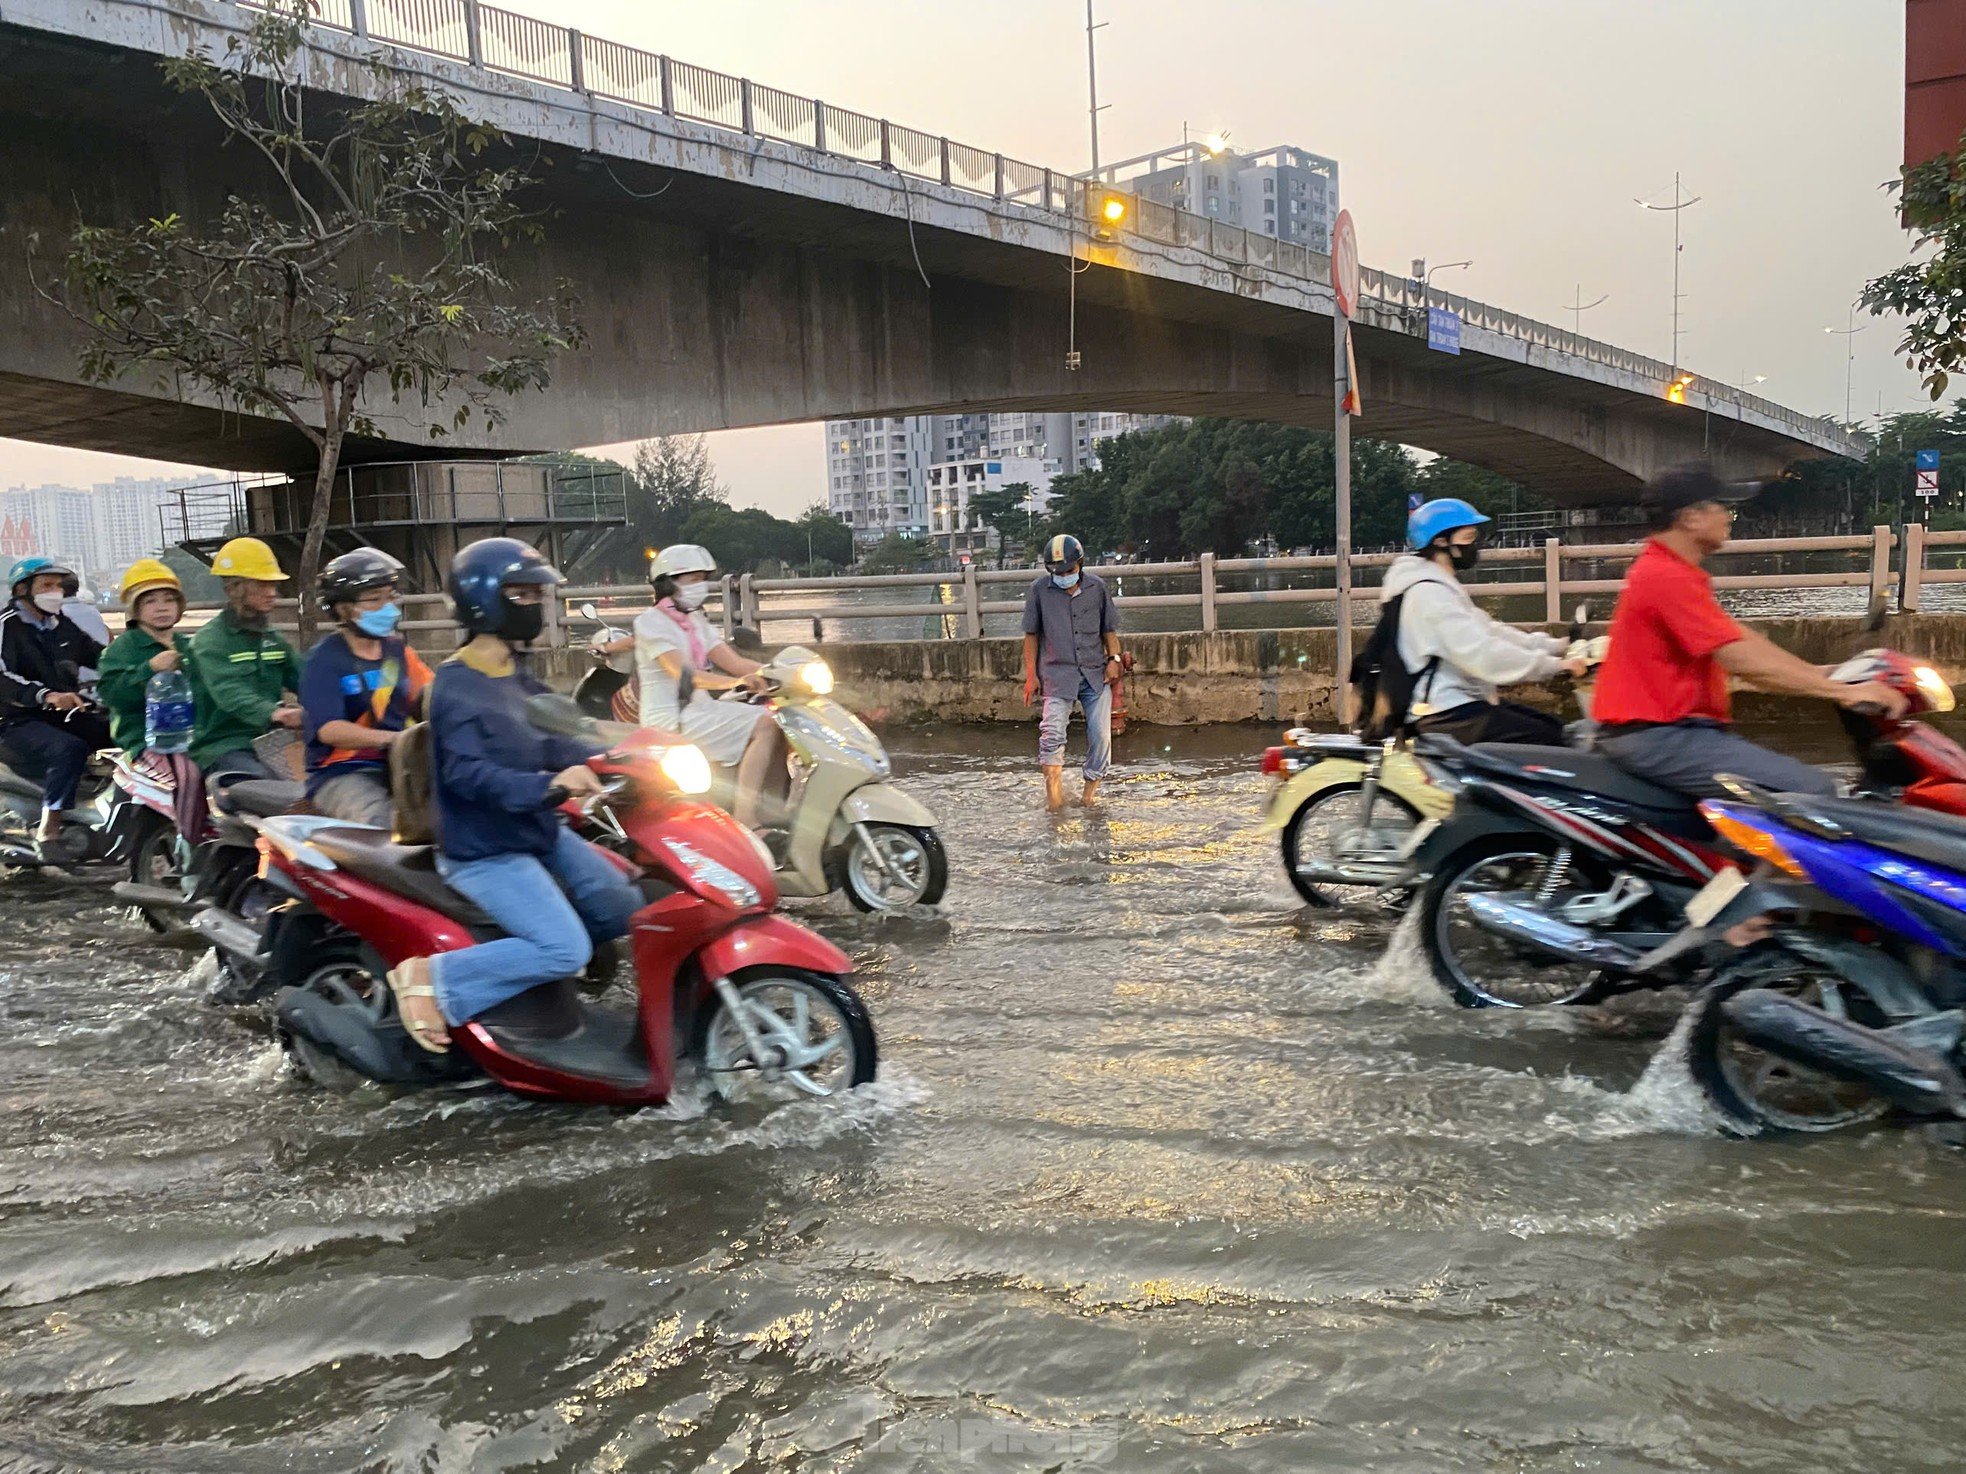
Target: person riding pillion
{"type": "Point", "coordinates": [675, 635]}
{"type": "Point", "coordinates": [1454, 652]}
{"type": "Point", "coordinates": [151, 643]}
{"type": "Point", "coordinates": [43, 715]}
{"type": "Point", "coordinates": [244, 676]}
{"type": "Point", "coordinates": [1072, 653]}
{"type": "Point", "coordinates": [495, 781]}
{"type": "Point", "coordinates": [361, 687]}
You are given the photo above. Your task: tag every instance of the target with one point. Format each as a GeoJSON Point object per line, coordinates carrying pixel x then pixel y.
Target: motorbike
{"type": "Point", "coordinates": [89, 834]}
{"type": "Point", "coordinates": [829, 816]}
{"type": "Point", "coordinates": [1559, 873]}
{"type": "Point", "coordinates": [1856, 1006]}
{"type": "Point", "coordinates": [764, 1006]}
{"type": "Point", "coordinates": [1350, 812]}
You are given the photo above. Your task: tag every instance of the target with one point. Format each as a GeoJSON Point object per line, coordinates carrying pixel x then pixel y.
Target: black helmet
{"type": "Point", "coordinates": [1063, 553]}
{"type": "Point", "coordinates": [353, 574]}
{"type": "Point", "coordinates": [481, 569]}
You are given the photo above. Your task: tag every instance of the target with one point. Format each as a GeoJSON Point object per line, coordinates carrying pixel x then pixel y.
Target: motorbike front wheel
{"type": "Point", "coordinates": [1480, 969]}
{"type": "Point", "coordinates": [813, 1035]}
{"type": "Point", "coordinates": [915, 872]}
{"type": "Point", "coordinates": [1758, 1093]}
{"type": "Point", "coordinates": [157, 858]}
{"type": "Point", "coordinates": [1315, 830]}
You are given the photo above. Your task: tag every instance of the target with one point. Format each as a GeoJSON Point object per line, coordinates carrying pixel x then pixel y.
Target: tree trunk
{"type": "Point", "coordinates": [309, 572]}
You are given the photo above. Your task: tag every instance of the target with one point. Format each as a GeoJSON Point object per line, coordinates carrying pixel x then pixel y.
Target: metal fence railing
{"type": "Point", "coordinates": [505, 41]}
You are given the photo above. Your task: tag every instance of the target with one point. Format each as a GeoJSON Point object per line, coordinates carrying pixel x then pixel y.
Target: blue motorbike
{"type": "Point", "coordinates": [1855, 1006]}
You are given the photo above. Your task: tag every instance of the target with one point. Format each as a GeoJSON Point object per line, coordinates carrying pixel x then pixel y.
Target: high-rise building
{"type": "Point", "coordinates": [102, 530]}
{"type": "Point", "coordinates": [951, 484]}
{"type": "Point", "coordinates": [1290, 193]}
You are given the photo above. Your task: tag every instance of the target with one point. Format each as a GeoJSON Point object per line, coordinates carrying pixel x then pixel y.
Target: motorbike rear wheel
{"type": "Point", "coordinates": [156, 859]}
{"type": "Point", "coordinates": [1480, 970]}
{"type": "Point", "coordinates": [1315, 828]}
{"type": "Point", "coordinates": [1761, 1094]}
{"type": "Point", "coordinates": [813, 1027]}
{"type": "Point", "coordinates": [916, 854]}
{"type": "Point", "coordinates": [340, 975]}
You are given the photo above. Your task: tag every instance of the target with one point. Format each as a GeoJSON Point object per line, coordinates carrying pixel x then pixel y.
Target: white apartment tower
{"type": "Point", "coordinates": [1290, 193]}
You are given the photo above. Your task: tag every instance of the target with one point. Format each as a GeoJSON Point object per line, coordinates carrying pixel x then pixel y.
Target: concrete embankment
{"type": "Point", "coordinates": [1241, 675]}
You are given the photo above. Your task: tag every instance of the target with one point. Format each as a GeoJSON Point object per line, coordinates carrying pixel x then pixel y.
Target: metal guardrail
{"type": "Point", "coordinates": [504, 41]}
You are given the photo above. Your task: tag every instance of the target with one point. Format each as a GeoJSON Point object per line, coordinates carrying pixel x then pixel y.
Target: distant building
{"type": "Point", "coordinates": [1290, 193]}
{"type": "Point", "coordinates": [102, 530]}
{"type": "Point", "coordinates": [951, 484]}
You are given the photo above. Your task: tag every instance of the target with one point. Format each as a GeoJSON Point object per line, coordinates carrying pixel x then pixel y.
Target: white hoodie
{"type": "Point", "coordinates": [1476, 653]}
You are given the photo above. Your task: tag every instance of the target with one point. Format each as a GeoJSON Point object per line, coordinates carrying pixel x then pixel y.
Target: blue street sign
{"type": "Point", "coordinates": [1413, 501]}
{"type": "Point", "coordinates": [1443, 330]}
{"type": "Point", "coordinates": [993, 468]}
{"type": "Point", "coordinates": [1928, 460]}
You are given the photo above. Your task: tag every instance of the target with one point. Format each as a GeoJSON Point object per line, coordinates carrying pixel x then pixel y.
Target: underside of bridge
{"type": "Point", "coordinates": [713, 303]}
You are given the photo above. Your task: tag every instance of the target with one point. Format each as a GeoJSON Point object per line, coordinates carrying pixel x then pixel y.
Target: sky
{"type": "Point", "coordinates": [1516, 133]}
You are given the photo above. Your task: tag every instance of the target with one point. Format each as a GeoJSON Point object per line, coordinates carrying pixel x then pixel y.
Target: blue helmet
{"type": "Point", "coordinates": [1063, 552]}
{"type": "Point", "coordinates": [26, 569]}
{"type": "Point", "coordinates": [1430, 519]}
{"type": "Point", "coordinates": [481, 569]}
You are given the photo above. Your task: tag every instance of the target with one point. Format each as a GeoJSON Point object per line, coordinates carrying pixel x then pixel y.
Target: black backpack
{"type": "Point", "coordinates": [1382, 686]}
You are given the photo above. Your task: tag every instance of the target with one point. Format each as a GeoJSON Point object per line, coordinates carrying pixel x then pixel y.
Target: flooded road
{"type": "Point", "coordinates": [1163, 1173]}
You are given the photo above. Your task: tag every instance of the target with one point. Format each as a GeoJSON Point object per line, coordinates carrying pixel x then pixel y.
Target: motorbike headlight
{"type": "Point", "coordinates": [725, 881]}
{"type": "Point", "coordinates": [818, 677]}
{"type": "Point", "coordinates": [1932, 686]}
{"type": "Point", "coordinates": [686, 768]}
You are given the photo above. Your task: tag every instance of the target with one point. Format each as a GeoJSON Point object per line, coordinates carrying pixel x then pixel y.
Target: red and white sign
{"type": "Point", "coordinates": [1344, 264]}
{"type": "Point", "coordinates": [1928, 483]}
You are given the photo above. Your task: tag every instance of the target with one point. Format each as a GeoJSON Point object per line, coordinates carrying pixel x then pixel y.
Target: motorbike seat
{"type": "Point", "coordinates": [408, 870]}
{"type": "Point", "coordinates": [1581, 772]}
{"type": "Point", "coordinates": [266, 797]}
{"type": "Point", "coordinates": [1939, 839]}
{"type": "Point", "coordinates": [553, 1026]}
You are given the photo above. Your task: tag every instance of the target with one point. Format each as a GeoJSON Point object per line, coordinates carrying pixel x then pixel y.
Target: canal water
{"type": "Point", "coordinates": [1163, 1172]}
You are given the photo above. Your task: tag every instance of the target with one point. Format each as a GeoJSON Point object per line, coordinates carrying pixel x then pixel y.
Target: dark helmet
{"type": "Point", "coordinates": [353, 574]}
{"type": "Point", "coordinates": [481, 569]}
{"type": "Point", "coordinates": [1063, 553]}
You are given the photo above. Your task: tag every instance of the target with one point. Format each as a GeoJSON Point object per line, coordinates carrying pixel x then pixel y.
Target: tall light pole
{"type": "Point", "coordinates": [1848, 333]}
{"type": "Point", "coordinates": [1674, 209]}
{"type": "Point", "coordinates": [1424, 274]}
{"type": "Point", "coordinates": [1092, 81]}
{"type": "Point", "coordinates": [1577, 307]}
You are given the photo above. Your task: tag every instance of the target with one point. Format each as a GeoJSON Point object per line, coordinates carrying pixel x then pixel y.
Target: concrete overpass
{"type": "Point", "coordinates": [748, 257]}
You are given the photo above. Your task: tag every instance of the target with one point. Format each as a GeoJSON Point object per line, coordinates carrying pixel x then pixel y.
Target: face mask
{"type": "Point", "coordinates": [50, 603]}
{"type": "Point", "coordinates": [379, 622]}
{"type": "Point", "coordinates": [522, 622]}
{"type": "Point", "coordinates": [1065, 580]}
{"type": "Point", "coordinates": [690, 596]}
{"type": "Point", "coordinates": [1464, 555]}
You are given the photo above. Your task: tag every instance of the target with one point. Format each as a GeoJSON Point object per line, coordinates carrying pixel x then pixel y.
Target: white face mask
{"type": "Point", "coordinates": [690, 596]}
{"type": "Point", "coordinates": [51, 602]}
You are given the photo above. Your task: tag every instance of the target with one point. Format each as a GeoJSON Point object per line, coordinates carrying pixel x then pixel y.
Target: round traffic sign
{"type": "Point", "coordinates": [1344, 263]}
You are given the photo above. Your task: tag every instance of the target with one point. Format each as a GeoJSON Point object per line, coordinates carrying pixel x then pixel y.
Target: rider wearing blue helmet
{"type": "Point", "coordinates": [1457, 654]}
{"type": "Point", "coordinates": [496, 780]}
{"type": "Point", "coordinates": [44, 718]}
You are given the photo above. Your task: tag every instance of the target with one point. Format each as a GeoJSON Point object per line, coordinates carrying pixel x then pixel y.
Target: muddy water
{"type": "Point", "coordinates": [1163, 1173]}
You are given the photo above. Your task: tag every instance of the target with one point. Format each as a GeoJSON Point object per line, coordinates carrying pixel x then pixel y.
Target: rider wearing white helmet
{"type": "Point", "coordinates": [674, 636]}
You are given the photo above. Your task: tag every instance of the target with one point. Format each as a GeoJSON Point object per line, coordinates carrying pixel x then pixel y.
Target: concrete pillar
{"type": "Point", "coordinates": [726, 613]}
{"type": "Point", "coordinates": [744, 104]}
{"type": "Point", "coordinates": [819, 125]}
{"type": "Point", "coordinates": [1912, 573]}
{"type": "Point", "coordinates": [358, 17]}
{"type": "Point", "coordinates": [576, 62]}
{"type": "Point", "coordinates": [1880, 562]}
{"type": "Point", "coordinates": [1552, 581]}
{"type": "Point", "coordinates": [972, 604]}
{"type": "Point", "coordinates": [1207, 563]}
{"type": "Point", "coordinates": [666, 85]}
{"type": "Point", "coordinates": [474, 33]}
{"type": "Point", "coordinates": [747, 595]}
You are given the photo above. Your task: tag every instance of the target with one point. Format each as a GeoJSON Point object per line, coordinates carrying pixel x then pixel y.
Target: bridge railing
{"type": "Point", "coordinates": [504, 41]}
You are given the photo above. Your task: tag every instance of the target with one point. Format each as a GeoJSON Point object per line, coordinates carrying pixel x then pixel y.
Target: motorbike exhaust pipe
{"type": "Point", "coordinates": [1915, 1079]}
{"type": "Point", "coordinates": [228, 933]}
{"type": "Point", "coordinates": [1541, 932]}
{"type": "Point", "coordinates": [151, 897]}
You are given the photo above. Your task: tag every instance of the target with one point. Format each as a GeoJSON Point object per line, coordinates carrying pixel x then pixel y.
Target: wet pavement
{"type": "Point", "coordinates": [1163, 1172]}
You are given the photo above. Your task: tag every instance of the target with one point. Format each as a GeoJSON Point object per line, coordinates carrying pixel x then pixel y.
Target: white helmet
{"type": "Point", "coordinates": [679, 558]}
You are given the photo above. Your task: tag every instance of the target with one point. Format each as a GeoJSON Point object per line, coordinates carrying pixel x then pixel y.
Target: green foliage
{"type": "Point", "coordinates": [896, 554]}
{"type": "Point", "coordinates": [744, 540]}
{"type": "Point", "coordinates": [368, 261]}
{"type": "Point", "coordinates": [1004, 509]}
{"type": "Point", "coordinates": [1930, 294]}
{"type": "Point", "coordinates": [831, 540]}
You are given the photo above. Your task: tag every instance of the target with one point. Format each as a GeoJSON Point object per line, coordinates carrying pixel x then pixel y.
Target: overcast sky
{"type": "Point", "coordinates": [1514, 132]}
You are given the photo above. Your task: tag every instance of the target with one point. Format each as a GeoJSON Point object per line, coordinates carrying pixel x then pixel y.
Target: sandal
{"type": "Point", "coordinates": [399, 985]}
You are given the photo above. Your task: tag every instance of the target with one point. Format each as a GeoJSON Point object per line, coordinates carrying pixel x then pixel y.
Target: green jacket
{"type": "Point", "coordinates": [123, 677]}
{"type": "Point", "coordinates": [237, 677]}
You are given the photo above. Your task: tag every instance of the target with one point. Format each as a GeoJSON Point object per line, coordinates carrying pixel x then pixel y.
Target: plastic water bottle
{"type": "Point", "coordinates": [167, 712]}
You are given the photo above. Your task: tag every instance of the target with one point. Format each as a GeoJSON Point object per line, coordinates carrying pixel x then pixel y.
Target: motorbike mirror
{"type": "Point", "coordinates": [588, 612]}
{"type": "Point", "coordinates": [559, 715]}
{"type": "Point", "coordinates": [1583, 614]}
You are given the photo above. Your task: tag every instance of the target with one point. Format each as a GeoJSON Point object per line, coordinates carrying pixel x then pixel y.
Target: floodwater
{"type": "Point", "coordinates": [1163, 1172]}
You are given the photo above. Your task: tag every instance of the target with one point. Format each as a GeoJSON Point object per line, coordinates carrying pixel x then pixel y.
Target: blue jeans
{"type": "Point", "coordinates": [1097, 699]}
{"type": "Point", "coordinates": [58, 752]}
{"type": "Point", "coordinates": [548, 905]}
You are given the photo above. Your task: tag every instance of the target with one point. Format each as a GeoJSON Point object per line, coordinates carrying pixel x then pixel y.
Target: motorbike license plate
{"type": "Point", "coordinates": [1416, 839]}
{"type": "Point", "coordinates": [1712, 898]}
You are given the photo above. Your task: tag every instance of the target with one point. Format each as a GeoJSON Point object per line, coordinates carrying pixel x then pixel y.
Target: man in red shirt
{"type": "Point", "coordinates": [1661, 703]}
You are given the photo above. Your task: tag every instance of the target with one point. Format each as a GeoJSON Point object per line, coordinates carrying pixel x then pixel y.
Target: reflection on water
{"type": "Point", "coordinates": [1165, 1173]}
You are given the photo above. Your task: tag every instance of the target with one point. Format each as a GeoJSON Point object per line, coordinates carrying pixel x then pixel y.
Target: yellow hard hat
{"type": "Point", "coordinates": [146, 574]}
{"type": "Point", "coordinates": [247, 557]}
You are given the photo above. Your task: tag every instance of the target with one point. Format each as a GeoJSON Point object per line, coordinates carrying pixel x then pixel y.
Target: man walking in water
{"type": "Point", "coordinates": [1072, 650]}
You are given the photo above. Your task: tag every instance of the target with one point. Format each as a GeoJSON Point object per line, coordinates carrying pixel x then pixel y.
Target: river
{"type": "Point", "coordinates": [1162, 1173]}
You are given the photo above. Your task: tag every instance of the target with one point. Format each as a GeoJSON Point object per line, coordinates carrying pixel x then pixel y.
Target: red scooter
{"type": "Point", "coordinates": [762, 1004]}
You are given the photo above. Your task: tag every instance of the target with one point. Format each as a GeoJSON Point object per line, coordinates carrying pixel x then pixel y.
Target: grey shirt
{"type": "Point", "coordinates": [1070, 624]}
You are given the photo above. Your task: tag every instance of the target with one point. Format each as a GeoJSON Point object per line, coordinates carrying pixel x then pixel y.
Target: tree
{"type": "Point", "coordinates": [1005, 509]}
{"type": "Point", "coordinates": [370, 261]}
{"type": "Point", "coordinates": [828, 540]}
{"type": "Point", "coordinates": [895, 554]}
{"type": "Point", "coordinates": [1930, 294]}
{"type": "Point", "coordinates": [672, 478]}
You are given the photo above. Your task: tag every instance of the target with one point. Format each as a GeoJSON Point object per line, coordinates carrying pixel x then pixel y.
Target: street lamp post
{"type": "Point", "coordinates": [1577, 307]}
{"type": "Point", "coordinates": [1424, 274]}
{"type": "Point", "coordinates": [1092, 81]}
{"type": "Point", "coordinates": [1674, 209]}
{"type": "Point", "coordinates": [1848, 334]}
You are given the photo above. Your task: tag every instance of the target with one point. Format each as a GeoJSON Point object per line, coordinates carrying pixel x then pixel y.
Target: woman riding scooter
{"type": "Point", "coordinates": [153, 605]}
{"type": "Point", "coordinates": [496, 782]}
{"type": "Point", "coordinates": [676, 636]}
{"type": "Point", "coordinates": [1457, 653]}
